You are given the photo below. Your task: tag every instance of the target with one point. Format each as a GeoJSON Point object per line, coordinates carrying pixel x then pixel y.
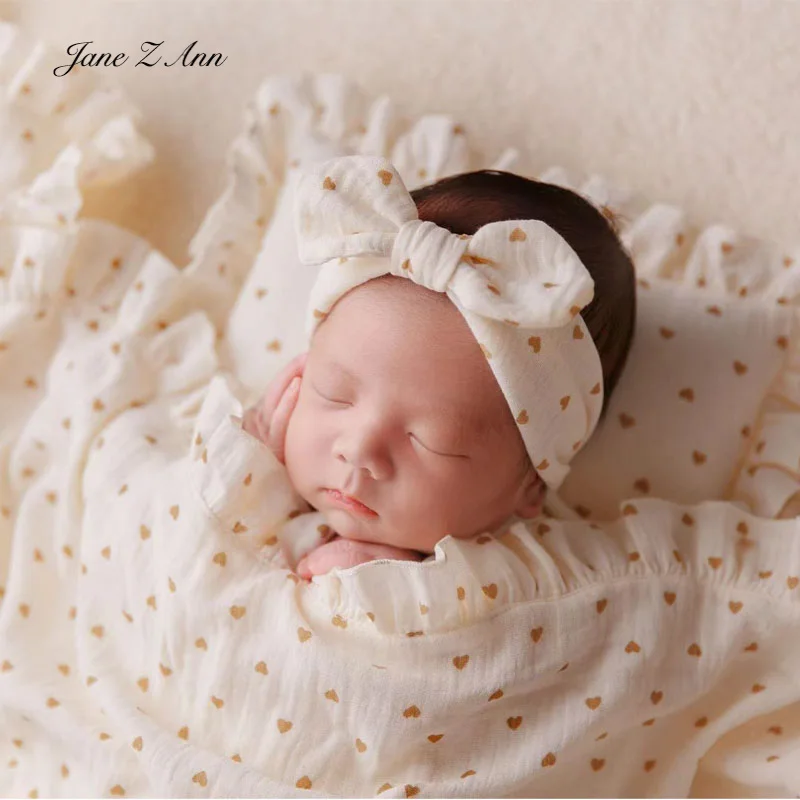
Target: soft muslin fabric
{"type": "Point", "coordinates": [517, 283]}
{"type": "Point", "coordinates": [153, 642]}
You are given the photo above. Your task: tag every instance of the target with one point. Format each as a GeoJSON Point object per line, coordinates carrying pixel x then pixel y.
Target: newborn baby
{"type": "Point", "coordinates": [393, 424]}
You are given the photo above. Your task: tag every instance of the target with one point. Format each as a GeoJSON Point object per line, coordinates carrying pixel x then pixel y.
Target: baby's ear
{"type": "Point", "coordinates": [531, 497]}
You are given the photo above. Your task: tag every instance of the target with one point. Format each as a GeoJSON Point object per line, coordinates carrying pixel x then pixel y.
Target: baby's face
{"type": "Point", "coordinates": [399, 409]}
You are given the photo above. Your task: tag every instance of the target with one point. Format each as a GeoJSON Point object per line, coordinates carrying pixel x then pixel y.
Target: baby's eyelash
{"type": "Point", "coordinates": [330, 399]}
{"type": "Point", "coordinates": [435, 452]}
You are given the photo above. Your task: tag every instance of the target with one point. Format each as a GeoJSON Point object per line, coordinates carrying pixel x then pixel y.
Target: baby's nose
{"type": "Point", "coordinates": [365, 452]}
{"type": "Point", "coordinates": [357, 468]}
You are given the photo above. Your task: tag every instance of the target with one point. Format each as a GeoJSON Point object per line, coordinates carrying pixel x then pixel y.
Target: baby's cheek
{"type": "Point", "coordinates": [441, 510]}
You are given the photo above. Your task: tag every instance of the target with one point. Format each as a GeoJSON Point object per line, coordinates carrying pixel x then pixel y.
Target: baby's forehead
{"type": "Point", "coordinates": [391, 332]}
{"type": "Point", "coordinates": [398, 315]}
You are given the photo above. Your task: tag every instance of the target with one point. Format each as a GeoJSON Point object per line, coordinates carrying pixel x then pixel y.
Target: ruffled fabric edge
{"type": "Point", "coordinates": [533, 561]}
{"type": "Point", "coordinates": [70, 135]}
{"type": "Point", "coordinates": [713, 542]}
{"type": "Point", "coordinates": [65, 137]}
{"type": "Point", "coordinates": [291, 116]}
{"type": "Point", "coordinates": [722, 262]}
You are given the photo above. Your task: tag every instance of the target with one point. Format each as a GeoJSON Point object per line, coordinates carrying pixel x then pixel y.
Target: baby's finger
{"type": "Point", "coordinates": [280, 419]}
{"type": "Point", "coordinates": [250, 422]}
{"type": "Point", "coordinates": [276, 389]}
{"type": "Point", "coordinates": [303, 570]}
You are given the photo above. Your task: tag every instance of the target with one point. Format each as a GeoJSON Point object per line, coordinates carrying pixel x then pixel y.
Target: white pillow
{"type": "Point", "coordinates": [707, 407]}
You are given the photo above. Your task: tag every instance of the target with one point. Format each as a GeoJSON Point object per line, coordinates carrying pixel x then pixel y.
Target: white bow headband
{"type": "Point", "coordinates": [518, 284]}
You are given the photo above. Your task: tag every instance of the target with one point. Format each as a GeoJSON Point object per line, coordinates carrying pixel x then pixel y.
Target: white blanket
{"type": "Point", "coordinates": [153, 643]}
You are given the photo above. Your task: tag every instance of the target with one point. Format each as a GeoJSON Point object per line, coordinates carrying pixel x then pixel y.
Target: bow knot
{"type": "Point", "coordinates": [427, 253]}
{"type": "Point", "coordinates": [520, 272]}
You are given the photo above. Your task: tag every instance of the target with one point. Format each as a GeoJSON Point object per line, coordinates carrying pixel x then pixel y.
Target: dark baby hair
{"type": "Point", "coordinates": [463, 203]}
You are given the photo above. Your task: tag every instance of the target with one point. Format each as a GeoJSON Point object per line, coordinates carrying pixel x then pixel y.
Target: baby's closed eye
{"type": "Point", "coordinates": [444, 453]}
{"type": "Point", "coordinates": [330, 399]}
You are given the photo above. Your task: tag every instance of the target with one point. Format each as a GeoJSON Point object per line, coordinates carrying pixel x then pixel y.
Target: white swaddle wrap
{"type": "Point", "coordinates": [152, 644]}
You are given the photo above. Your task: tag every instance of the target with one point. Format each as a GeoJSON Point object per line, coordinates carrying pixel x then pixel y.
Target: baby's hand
{"type": "Point", "coordinates": [344, 553]}
{"type": "Point", "coordinates": [269, 418]}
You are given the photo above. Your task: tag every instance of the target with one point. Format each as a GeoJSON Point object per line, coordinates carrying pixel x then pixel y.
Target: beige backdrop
{"type": "Point", "coordinates": [694, 103]}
